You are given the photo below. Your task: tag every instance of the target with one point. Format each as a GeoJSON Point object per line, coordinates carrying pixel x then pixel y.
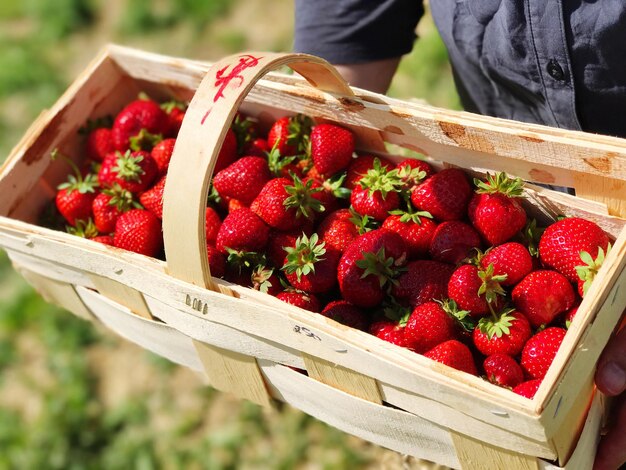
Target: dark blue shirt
{"type": "Point", "coordinates": [559, 63]}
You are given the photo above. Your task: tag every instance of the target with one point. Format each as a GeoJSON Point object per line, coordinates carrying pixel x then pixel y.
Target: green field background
{"type": "Point", "coordinates": [75, 396]}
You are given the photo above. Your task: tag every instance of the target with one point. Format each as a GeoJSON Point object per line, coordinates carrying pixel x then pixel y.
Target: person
{"type": "Point", "coordinates": [560, 64]}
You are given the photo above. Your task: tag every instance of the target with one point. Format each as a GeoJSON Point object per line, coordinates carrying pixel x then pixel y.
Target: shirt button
{"type": "Point", "coordinates": [555, 70]}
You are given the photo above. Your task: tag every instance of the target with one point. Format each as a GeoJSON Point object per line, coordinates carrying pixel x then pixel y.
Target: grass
{"type": "Point", "coordinates": [57, 410]}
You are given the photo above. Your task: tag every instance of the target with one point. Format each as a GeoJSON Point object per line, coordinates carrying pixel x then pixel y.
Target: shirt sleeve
{"type": "Point", "coordinates": [356, 31]}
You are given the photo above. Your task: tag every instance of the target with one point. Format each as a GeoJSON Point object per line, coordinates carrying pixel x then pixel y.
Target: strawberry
{"type": "Point", "coordinates": [453, 354]}
{"type": "Point", "coordinates": [502, 333]}
{"type": "Point", "coordinates": [475, 289]}
{"type": "Point", "coordinates": [242, 230]}
{"type": "Point", "coordinates": [377, 193]}
{"type": "Point", "coordinates": [428, 325]}
{"type": "Point", "coordinates": [511, 259]}
{"type": "Point", "coordinates": [83, 229]}
{"type": "Point", "coordinates": [347, 314]}
{"type": "Point", "coordinates": [389, 331]}
{"type": "Point", "coordinates": [368, 265]}
{"type": "Point", "coordinates": [109, 204]}
{"type": "Point", "coordinates": [540, 350]}
{"type": "Point", "coordinates": [277, 244]}
{"type": "Point", "coordinates": [287, 134]}
{"type": "Point", "coordinates": [415, 164]}
{"type": "Point", "coordinates": [217, 261]}
{"type": "Point", "coordinates": [302, 300]}
{"type": "Point", "coordinates": [213, 224]}
{"type": "Point", "coordinates": [495, 209]}
{"type": "Point", "coordinates": [528, 389]}
{"type": "Point", "coordinates": [134, 171]}
{"type": "Point", "coordinates": [175, 111]}
{"type": "Point", "coordinates": [256, 148]}
{"type": "Point", "coordinates": [99, 143]}
{"type": "Point", "coordinates": [286, 204]}
{"type": "Point", "coordinates": [75, 197]}
{"type": "Point", "coordinates": [338, 229]}
{"type": "Point", "coordinates": [309, 266]}
{"type": "Point", "coordinates": [162, 154]}
{"type": "Point", "coordinates": [562, 242]}
{"type": "Point", "coordinates": [415, 228]}
{"type": "Point", "coordinates": [453, 241]}
{"type": "Point", "coordinates": [243, 179]}
{"type": "Point", "coordinates": [152, 199]}
{"type": "Point", "coordinates": [445, 195]}
{"type": "Point", "coordinates": [137, 115]}
{"type": "Point", "coordinates": [503, 370]}
{"type": "Point", "coordinates": [104, 239]}
{"type": "Point", "coordinates": [569, 316]}
{"type": "Point", "coordinates": [228, 152]}
{"type": "Point", "coordinates": [331, 148]}
{"type": "Point", "coordinates": [139, 230]}
{"type": "Point", "coordinates": [330, 192]}
{"type": "Point", "coordinates": [360, 166]}
{"type": "Point", "coordinates": [423, 281]}
{"type": "Point", "coordinates": [542, 295]}
{"type": "Point", "coordinates": [264, 280]}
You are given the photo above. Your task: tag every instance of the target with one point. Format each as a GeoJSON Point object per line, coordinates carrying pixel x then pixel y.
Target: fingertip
{"type": "Point", "coordinates": [611, 378]}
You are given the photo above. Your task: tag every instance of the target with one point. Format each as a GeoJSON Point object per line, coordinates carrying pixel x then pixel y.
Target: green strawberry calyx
{"type": "Point", "coordinates": [463, 317]}
{"type": "Point", "coordinates": [83, 228]}
{"type": "Point", "coordinates": [531, 235]}
{"type": "Point", "coordinates": [299, 129]}
{"type": "Point", "coordinates": [410, 176]}
{"type": "Point", "coordinates": [386, 269]}
{"type": "Point", "coordinates": [588, 271]}
{"type": "Point", "coordinates": [301, 197]}
{"type": "Point", "coordinates": [411, 215]}
{"type": "Point", "coordinates": [380, 179]}
{"type": "Point", "coordinates": [301, 259]}
{"type": "Point", "coordinates": [395, 311]}
{"type": "Point", "coordinates": [490, 286]}
{"type": "Point", "coordinates": [169, 106]}
{"type": "Point", "coordinates": [76, 182]}
{"type": "Point", "coordinates": [128, 166]}
{"type": "Point", "coordinates": [363, 223]}
{"type": "Point", "coordinates": [500, 183]}
{"type": "Point", "coordinates": [240, 259]}
{"type": "Point", "coordinates": [334, 185]}
{"type": "Point", "coordinates": [498, 325]}
{"type": "Point", "coordinates": [276, 162]}
{"type": "Point", "coordinates": [122, 199]}
{"type": "Point", "coordinates": [261, 278]}
{"type": "Point", "coordinates": [144, 140]}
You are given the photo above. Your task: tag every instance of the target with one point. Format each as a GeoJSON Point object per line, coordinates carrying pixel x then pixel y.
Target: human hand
{"type": "Point", "coordinates": [611, 380]}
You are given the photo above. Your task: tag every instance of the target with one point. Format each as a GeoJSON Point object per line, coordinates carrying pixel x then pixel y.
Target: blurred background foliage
{"type": "Point", "coordinates": [74, 396]}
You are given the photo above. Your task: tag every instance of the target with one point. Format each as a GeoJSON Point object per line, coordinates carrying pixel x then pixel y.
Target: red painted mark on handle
{"type": "Point", "coordinates": [222, 80]}
{"type": "Point", "coordinates": [206, 115]}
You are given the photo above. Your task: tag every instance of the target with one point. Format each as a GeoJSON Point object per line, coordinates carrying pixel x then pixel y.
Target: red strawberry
{"type": "Point", "coordinates": [423, 281]}
{"type": "Point", "coordinates": [542, 295]}
{"type": "Point", "coordinates": [495, 209]}
{"type": "Point", "coordinates": [428, 325]}
{"type": "Point", "coordinates": [302, 300]}
{"type": "Point", "coordinates": [338, 229]}
{"type": "Point", "coordinates": [109, 204]}
{"type": "Point", "coordinates": [569, 316]}
{"type": "Point", "coordinates": [389, 331]}
{"type": "Point", "coordinates": [310, 267]}
{"type": "Point", "coordinates": [134, 171]}
{"type": "Point", "coordinates": [286, 134]}
{"type": "Point", "coordinates": [417, 230]}
{"type": "Point", "coordinates": [329, 194]}
{"type": "Point", "coordinates": [540, 350]}
{"type": "Point", "coordinates": [256, 148]}
{"type": "Point", "coordinates": [162, 154]}
{"type": "Point", "coordinates": [139, 230]}
{"type": "Point", "coordinates": [503, 370]}
{"type": "Point", "coordinates": [104, 239]}
{"type": "Point", "coordinates": [286, 204]}
{"type": "Point", "coordinates": [331, 148]}
{"type": "Point", "coordinates": [445, 195]}
{"type": "Point", "coordinates": [217, 261]}
{"type": "Point", "coordinates": [453, 241]}
{"type": "Point", "coordinates": [360, 166]}
{"type": "Point", "coordinates": [228, 152]}
{"type": "Point", "coordinates": [454, 354]}
{"type": "Point", "coordinates": [511, 259]}
{"type": "Point", "coordinates": [99, 143]}
{"type": "Point", "coordinates": [473, 289]}
{"type": "Point", "coordinates": [368, 265]}
{"type": "Point", "coordinates": [377, 193]}
{"type": "Point", "coordinates": [175, 111]}
{"type": "Point", "coordinates": [83, 229]}
{"type": "Point", "coordinates": [562, 242]}
{"type": "Point", "coordinates": [152, 199]}
{"type": "Point", "coordinates": [278, 242]}
{"type": "Point", "coordinates": [213, 224]}
{"type": "Point", "coordinates": [137, 115]}
{"type": "Point", "coordinates": [347, 314]}
{"type": "Point", "coordinates": [75, 197]}
{"type": "Point", "coordinates": [503, 333]}
{"type": "Point", "coordinates": [528, 389]}
{"type": "Point", "coordinates": [415, 164]}
{"type": "Point", "coordinates": [243, 179]}
{"type": "Point", "coordinates": [242, 230]}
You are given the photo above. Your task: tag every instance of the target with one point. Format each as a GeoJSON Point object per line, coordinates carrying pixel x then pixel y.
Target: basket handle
{"type": "Point", "coordinates": [206, 122]}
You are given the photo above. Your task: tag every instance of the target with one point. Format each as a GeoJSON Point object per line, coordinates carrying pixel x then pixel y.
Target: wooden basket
{"type": "Point", "coordinates": [245, 341]}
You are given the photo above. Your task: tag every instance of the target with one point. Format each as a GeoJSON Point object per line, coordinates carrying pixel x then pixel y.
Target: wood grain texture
{"type": "Point", "coordinates": [233, 373]}
{"type": "Point", "coordinates": [605, 189]}
{"type": "Point", "coordinates": [477, 455]}
{"type": "Point", "coordinates": [122, 294]}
